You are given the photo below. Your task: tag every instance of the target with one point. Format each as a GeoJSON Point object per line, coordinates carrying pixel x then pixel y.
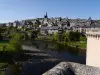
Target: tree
{"type": "Point", "coordinates": [30, 23]}
{"type": "Point", "coordinates": [74, 36]}
{"type": "Point", "coordinates": [15, 45]}
{"type": "Point", "coordinates": [2, 29]}
{"type": "Point", "coordinates": [65, 37]}
{"type": "Point", "coordinates": [3, 50]}
{"type": "Point", "coordinates": [25, 36]}
{"type": "Point", "coordinates": [68, 23]}
{"type": "Point", "coordinates": [83, 37]}
{"type": "Point", "coordinates": [55, 37]}
{"type": "Point", "coordinates": [1, 37]}
{"type": "Point", "coordinates": [36, 25]}
{"type": "Point", "coordinates": [16, 36]}
{"type": "Point", "coordinates": [38, 22]}
{"type": "Point", "coordinates": [33, 34]}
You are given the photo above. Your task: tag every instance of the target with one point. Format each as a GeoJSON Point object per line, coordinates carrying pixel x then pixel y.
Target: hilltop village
{"type": "Point", "coordinates": [52, 25]}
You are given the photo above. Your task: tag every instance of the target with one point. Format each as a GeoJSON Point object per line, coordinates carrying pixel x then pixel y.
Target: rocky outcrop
{"type": "Point", "coordinates": [69, 68]}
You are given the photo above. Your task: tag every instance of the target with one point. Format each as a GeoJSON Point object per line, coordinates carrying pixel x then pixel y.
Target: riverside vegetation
{"type": "Point", "coordinates": [11, 48]}
{"type": "Point", "coordinates": [67, 38]}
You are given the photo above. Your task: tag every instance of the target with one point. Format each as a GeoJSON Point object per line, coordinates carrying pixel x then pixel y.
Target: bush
{"type": "Point", "coordinates": [15, 45]}
{"type": "Point", "coordinates": [74, 36]}
{"type": "Point", "coordinates": [16, 36]}
{"type": "Point", "coordinates": [2, 73]}
{"type": "Point", "coordinates": [83, 38]}
{"type": "Point", "coordinates": [1, 38]}
{"type": "Point", "coordinates": [55, 37]}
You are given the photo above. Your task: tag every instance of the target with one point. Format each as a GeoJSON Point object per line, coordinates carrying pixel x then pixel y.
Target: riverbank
{"type": "Point", "coordinates": [81, 44]}
{"type": "Point", "coordinates": [2, 43]}
{"type": "Point", "coordinates": [78, 46]}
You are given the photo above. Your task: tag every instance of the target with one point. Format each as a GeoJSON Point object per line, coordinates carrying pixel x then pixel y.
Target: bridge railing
{"type": "Point", "coordinates": [93, 31]}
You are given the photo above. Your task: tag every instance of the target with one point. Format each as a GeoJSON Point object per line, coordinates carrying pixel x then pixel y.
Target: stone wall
{"type": "Point", "coordinates": [69, 68]}
{"type": "Point", "coordinates": [93, 48]}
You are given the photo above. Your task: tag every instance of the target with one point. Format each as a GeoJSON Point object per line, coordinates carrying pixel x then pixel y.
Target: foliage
{"type": "Point", "coordinates": [71, 39]}
{"type": "Point", "coordinates": [1, 73]}
{"type": "Point", "coordinates": [16, 36]}
{"type": "Point", "coordinates": [1, 37]}
{"type": "Point", "coordinates": [2, 29]}
{"type": "Point", "coordinates": [65, 37]}
{"type": "Point", "coordinates": [2, 65]}
{"type": "Point", "coordinates": [33, 34]}
{"type": "Point", "coordinates": [38, 22]}
{"type": "Point", "coordinates": [55, 37]}
{"type": "Point", "coordinates": [11, 46]}
{"type": "Point", "coordinates": [2, 43]}
{"type": "Point", "coordinates": [83, 37]}
{"type": "Point", "coordinates": [36, 25]}
{"type": "Point", "coordinates": [25, 36]}
{"type": "Point", "coordinates": [78, 43]}
{"type": "Point", "coordinates": [14, 45]}
{"type": "Point", "coordinates": [74, 36]}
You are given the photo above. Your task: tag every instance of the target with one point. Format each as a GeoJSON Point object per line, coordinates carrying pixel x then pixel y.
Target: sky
{"type": "Point", "coordinates": [11, 10]}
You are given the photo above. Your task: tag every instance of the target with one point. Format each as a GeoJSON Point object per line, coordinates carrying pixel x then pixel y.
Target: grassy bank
{"type": "Point", "coordinates": [72, 47]}
{"type": "Point", "coordinates": [47, 38]}
{"type": "Point", "coordinates": [1, 73]}
{"type": "Point", "coordinates": [2, 43]}
{"type": "Point", "coordinates": [80, 44]}
{"type": "Point", "coordinates": [3, 65]}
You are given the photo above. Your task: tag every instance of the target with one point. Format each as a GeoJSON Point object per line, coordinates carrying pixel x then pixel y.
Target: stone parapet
{"type": "Point", "coordinates": [93, 33]}
{"type": "Point", "coordinates": [70, 68]}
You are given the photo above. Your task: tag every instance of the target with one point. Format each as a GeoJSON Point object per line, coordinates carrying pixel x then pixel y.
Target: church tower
{"type": "Point", "coordinates": [46, 15]}
{"type": "Point", "coordinates": [90, 20]}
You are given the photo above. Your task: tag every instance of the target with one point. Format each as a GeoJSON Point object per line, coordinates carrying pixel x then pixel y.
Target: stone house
{"type": "Point", "coordinates": [48, 30]}
{"type": "Point", "coordinates": [53, 29]}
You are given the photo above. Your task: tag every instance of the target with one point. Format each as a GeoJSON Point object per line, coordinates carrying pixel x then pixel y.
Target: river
{"type": "Point", "coordinates": [53, 49]}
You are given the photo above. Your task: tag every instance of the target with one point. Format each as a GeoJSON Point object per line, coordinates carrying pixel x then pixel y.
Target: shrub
{"type": "Point", "coordinates": [15, 45]}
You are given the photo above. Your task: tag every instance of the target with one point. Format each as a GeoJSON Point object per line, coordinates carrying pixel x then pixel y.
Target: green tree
{"type": "Point", "coordinates": [1, 37]}
{"type": "Point", "coordinates": [15, 45]}
{"type": "Point", "coordinates": [36, 25]}
{"type": "Point", "coordinates": [16, 36]}
{"type": "Point", "coordinates": [33, 34]}
{"type": "Point", "coordinates": [74, 36]}
{"type": "Point", "coordinates": [83, 37]}
{"type": "Point", "coordinates": [55, 37]}
{"type": "Point", "coordinates": [25, 36]}
{"type": "Point", "coordinates": [38, 22]}
{"type": "Point", "coordinates": [65, 37]}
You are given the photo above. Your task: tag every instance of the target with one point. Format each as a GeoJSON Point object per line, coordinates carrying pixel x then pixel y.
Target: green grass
{"type": "Point", "coordinates": [81, 44]}
{"type": "Point", "coordinates": [2, 65]}
{"type": "Point", "coordinates": [3, 43]}
{"type": "Point", "coordinates": [1, 73]}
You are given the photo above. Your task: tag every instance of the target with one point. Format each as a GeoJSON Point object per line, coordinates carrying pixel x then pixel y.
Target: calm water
{"type": "Point", "coordinates": [55, 51]}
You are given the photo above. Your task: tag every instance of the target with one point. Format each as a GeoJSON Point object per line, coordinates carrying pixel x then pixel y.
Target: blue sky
{"type": "Point", "coordinates": [11, 10]}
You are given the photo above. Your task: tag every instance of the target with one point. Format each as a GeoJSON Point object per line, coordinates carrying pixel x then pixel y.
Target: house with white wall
{"type": "Point", "coordinates": [53, 29]}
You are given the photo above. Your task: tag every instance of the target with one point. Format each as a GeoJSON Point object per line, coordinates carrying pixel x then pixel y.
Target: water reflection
{"type": "Point", "coordinates": [60, 51]}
